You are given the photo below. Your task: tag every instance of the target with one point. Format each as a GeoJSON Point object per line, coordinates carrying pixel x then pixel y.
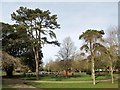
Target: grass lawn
{"type": "Point", "coordinates": [57, 85]}
{"type": "Point", "coordinates": [78, 78]}
{"type": "Point", "coordinates": [75, 85]}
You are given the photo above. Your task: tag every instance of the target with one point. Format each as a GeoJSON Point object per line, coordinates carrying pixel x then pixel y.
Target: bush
{"type": "Point", "coordinates": [59, 78]}
{"type": "Point", "coordinates": [88, 72]}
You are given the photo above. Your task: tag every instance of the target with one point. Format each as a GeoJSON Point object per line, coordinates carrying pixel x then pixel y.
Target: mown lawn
{"type": "Point", "coordinates": [75, 78]}
{"type": "Point", "coordinates": [75, 85]}
{"type": "Point", "coordinates": [69, 85]}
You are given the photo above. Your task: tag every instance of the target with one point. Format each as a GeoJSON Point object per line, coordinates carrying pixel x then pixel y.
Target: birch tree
{"type": "Point", "coordinates": [90, 37]}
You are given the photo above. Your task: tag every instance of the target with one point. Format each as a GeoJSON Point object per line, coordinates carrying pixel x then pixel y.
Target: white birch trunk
{"type": "Point", "coordinates": [93, 71]}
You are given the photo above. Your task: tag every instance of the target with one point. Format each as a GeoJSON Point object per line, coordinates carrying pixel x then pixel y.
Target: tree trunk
{"type": "Point", "coordinates": [37, 62]}
{"type": "Point", "coordinates": [93, 70]}
{"type": "Point", "coordinates": [9, 71]}
{"type": "Point", "coordinates": [36, 50]}
{"type": "Point", "coordinates": [111, 71]}
{"type": "Point", "coordinates": [37, 70]}
{"type": "Point", "coordinates": [93, 63]}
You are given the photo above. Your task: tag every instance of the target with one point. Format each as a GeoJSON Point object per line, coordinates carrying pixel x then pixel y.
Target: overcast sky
{"type": "Point", "coordinates": [73, 17]}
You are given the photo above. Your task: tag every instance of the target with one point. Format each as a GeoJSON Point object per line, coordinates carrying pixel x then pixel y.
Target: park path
{"type": "Point", "coordinates": [18, 84]}
{"type": "Point", "coordinates": [40, 81]}
{"type": "Point", "coordinates": [67, 81]}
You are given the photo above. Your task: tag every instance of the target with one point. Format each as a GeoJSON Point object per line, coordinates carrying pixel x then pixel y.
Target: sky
{"type": "Point", "coordinates": [60, 0]}
{"type": "Point", "coordinates": [73, 17]}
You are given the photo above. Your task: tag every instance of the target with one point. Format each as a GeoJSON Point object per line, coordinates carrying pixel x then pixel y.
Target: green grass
{"type": "Point", "coordinates": [72, 85]}
{"type": "Point", "coordinates": [80, 78]}
{"type": "Point", "coordinates": [75, 78]}
{"type": "Point", "coordinates": [75, 85]}
{"type": "Point", "coordinates": [103, 77]}
{"type": "Point", "coordinates": [51, 78]}
{"type": "Point", "coordinates": [55, 84]}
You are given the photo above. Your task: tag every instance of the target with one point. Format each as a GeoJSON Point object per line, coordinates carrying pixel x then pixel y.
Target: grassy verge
{"type": "Point", "coordinates": [75, 85]}
{"type": "Point", "coordinates": [60, 78]}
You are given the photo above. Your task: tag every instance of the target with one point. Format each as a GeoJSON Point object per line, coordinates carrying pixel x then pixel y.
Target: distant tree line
{"type": "Point", "coordinates": [96, 54]}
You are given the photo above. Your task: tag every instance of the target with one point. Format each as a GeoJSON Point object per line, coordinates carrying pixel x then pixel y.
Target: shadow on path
{"type": "Point", "coordinates": [17, 84]}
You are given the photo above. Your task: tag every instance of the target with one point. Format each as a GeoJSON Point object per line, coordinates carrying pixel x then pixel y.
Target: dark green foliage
{"type": "Point", "coordinates": [37, 23]}
{"type": "Point", "coordinates": [91, 35]}
{"type": "Point", "coordinates": [85, 47]}
{"type": "Point", "coordinates": [16, 42]}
